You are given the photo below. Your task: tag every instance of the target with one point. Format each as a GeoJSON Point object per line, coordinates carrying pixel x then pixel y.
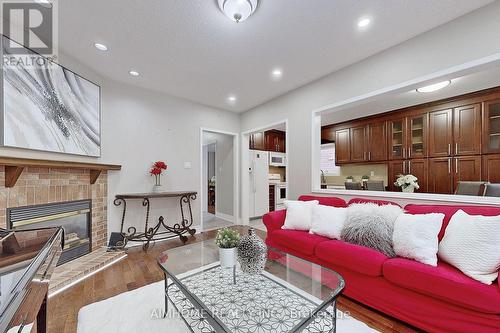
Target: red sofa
{"type": "Point", "coordinates": [435, 299]}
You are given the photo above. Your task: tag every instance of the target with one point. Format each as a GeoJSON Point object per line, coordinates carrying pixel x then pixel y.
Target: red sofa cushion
{"type": "Point", "coordinates": [444, 282]}
{"type": "Point", "coordinates": [378, 202]}
{"type": "Point", "coordinates": [274, 220]}
{"type": "Point", "coordinates": [449, 210]}
{"type": "Point", "coordinates": [326, 201]}
{"type": "Point", "coordinates": [301, 241]}
{"type": "Point", "coordinates": [354, 257]}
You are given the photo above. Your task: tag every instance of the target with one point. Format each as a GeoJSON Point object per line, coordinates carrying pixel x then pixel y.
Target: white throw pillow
{"type": "Point", "coordinates": [416, 237]}
{"type": "Point", "coordinates": [471, 243]}
{"type": "Point", "coordinates": [299, 214]}
{"type": "Point", "coordinates": [328, 221]}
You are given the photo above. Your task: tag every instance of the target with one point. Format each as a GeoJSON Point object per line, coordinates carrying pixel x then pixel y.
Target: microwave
{"type": "Point", "coordinates": [277, 159]}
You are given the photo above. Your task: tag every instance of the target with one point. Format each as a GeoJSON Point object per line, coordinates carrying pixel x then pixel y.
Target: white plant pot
{"type": "Point", "coordinates": [349, 180]}
{"type": "Point", "coordinates": [227, 257]}
{"type": "Point", "coordinates": [409, 189]}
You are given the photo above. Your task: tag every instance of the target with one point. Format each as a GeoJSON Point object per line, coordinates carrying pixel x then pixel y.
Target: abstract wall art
{"type": "Point", "coordinates": [48, 107]}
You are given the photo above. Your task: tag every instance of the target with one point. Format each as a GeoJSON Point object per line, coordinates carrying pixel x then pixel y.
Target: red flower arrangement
{"type": "Point", "coordinates": [157, 170]}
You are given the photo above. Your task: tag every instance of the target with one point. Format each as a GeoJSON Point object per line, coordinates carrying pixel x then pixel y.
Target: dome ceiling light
{"type": "Point", "coordinates": [238, 10]}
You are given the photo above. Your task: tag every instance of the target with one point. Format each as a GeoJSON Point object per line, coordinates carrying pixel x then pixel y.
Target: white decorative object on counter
{"type": "Point", "coordinates": [407, 183]}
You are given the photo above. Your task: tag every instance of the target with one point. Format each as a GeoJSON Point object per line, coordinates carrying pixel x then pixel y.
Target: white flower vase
{"type": "Point", "coordinates": [227, 257]}
{"type": "Point", "coordinates": [158, 188]}
{"type": "Point", "coordinates": [408, 189]}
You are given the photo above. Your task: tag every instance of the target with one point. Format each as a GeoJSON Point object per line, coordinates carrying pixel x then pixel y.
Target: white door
{"type": "Point", "coordinates": [259, 183]}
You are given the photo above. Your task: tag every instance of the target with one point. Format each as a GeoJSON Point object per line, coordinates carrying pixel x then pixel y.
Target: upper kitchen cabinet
{"type": "Point", "coordinates": [377, 141]}
{"type": "Point", "coordinates": [275, 141]}
{"type": "Point", "coordinates": [440, 133]}
{"type": "Point", "coordinates": [358, 144]}
{"type": "Point", "coordinates": [327, 135]}
{"type": "Point", "coordinates": [491, 127]}
{"type": "Point", "coordinates": [257, 141]}
{"type": "Point", "coordinates": [417, 136]}
{"type": "Point", "coordinates": [408, 137]}
{"type": "Point", "coordinates": [397, 138]}
{"type": "Point", "coordinates": [342, 146]}
{"type": "Point", "coordinates": [467, 130]}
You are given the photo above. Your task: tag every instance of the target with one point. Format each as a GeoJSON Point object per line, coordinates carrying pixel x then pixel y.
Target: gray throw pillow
{"type": "Point", "coordinates": [372, 226]}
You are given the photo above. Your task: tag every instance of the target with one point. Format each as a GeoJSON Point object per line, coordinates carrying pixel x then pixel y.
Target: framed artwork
{"type": "Point", "coordinates": [45, 106]}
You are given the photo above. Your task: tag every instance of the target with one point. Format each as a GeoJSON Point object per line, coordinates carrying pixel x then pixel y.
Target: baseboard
{"type": "Point", "coordinates": [225, 217]}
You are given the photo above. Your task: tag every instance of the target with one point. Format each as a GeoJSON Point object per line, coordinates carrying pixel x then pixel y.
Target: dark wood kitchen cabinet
{"type": "Point", "coordinates": [257, 141]}
{"type": "Point", "coordinates": [440, 133]}
{"type": "Point", "coordinates": [441, 175]}
{"type": "Point", "coordinates": [377, 141]}
{"type": "Point", "coordinates": [408, 137]}
{"type": "Point", "coordinates": [275, 141]}
{"type": "Point", "coordinates": [358, 144]}
{"type": "Point", "coordinates": [327, 135]}
{"type": "Point", "coordinates": [491, 168]}
{"type": "Point", "coordinates": [342, 146]}
{"type": "Point", "coordinates": [417, 167]}
{"type": "Point", "coordinates": [395, 168]}
{"type": "Point", "coordinates": [420, 169]}
{"type": "Point", "coordinates": [467, 130]}
{"type": "Point", "coordinates": [491, 127]}
{"type": "Point", "coordinates": [466, 168]}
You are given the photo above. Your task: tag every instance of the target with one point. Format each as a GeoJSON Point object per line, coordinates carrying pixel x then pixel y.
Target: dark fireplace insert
{"type": "Point", "coordinates": [75, 217]}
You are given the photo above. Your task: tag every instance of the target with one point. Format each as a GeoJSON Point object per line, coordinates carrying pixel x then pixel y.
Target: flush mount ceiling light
{"type": "Point", "coordinates": [134, 73]}
{"type": "Point", "coordinates": [434, 87]}
{"type": "Point", "coordinates": [100, 47]}
{"type": "Point", "coordinates": [238, 10]}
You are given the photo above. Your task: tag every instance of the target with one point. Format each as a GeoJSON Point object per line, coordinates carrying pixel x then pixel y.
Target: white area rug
{"type": "Point", "coordinates": [140, 310]}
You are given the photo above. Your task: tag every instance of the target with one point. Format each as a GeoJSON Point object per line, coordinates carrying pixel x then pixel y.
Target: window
{"type": "Point", "coordinates": [327, 162]}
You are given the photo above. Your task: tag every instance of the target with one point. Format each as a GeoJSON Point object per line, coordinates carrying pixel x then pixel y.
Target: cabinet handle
{"type": "Point", "coordinates": [449, 166]}
{"type": "Point", "coordinates": [369, 156]}
{"type": "Point", "coordinates": [456, 166]}
{"type": "Point", "coordinates": [404, 166]}
{"type": "Point", "coordinates": [409, 166]}
{"type": "Point", "coordinates": [449, 149]}
{"type": "Point", "coordinates": [456, 148]}
{"type": "Point", "coordinates": [409, 152]}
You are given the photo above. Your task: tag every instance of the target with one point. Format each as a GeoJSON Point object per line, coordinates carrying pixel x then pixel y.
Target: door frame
{"type": "Point", "coordinates": [236, 196]}
{"type": "Point", "coordinates": [245, 151]}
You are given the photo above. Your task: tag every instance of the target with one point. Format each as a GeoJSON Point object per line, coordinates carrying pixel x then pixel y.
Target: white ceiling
{"type": "Point", "coordinates": [484, 77]}
{"type": "Point", "coordinates": [189, 49]}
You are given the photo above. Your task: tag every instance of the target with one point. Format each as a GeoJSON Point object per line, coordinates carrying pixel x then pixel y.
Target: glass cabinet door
{"type": "Point", "coordinates": [397, 137]}
{"type": "Point", "coordinates": [417, 136]}
{"type": "Point", "coordinates": [492, 135]}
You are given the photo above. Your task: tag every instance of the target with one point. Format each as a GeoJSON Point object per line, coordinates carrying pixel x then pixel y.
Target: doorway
{"type": "Point", "coordinates": [265, 163]}
{"type": "Point", "coordinates": [219, 178]}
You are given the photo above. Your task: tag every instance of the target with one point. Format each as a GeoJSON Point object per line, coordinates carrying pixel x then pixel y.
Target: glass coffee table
{"type": "Point", "coordinates": [291, 295]}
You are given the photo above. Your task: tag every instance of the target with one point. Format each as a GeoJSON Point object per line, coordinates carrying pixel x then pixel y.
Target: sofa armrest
{"type": "Point", "coordinates": [274, 220]}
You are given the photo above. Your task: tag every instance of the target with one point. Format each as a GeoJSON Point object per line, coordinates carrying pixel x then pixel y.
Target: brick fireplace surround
{"type": "Point", "coordinates": [46, 185]}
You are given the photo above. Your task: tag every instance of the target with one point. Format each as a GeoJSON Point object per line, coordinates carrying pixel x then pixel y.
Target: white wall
{"type": "Point", "coordinates": [465, 39]}
{"type": "Point", "coordinates": [139, 127]}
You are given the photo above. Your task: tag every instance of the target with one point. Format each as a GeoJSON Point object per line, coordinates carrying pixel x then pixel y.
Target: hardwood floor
{"type": "Point", "coordinates": [140, 269]}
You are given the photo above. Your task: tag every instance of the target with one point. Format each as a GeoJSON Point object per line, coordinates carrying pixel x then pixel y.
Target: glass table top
{"type": "Point", "coordinates": [291, 294]}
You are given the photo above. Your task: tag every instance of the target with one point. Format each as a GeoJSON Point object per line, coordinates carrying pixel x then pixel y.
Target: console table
{"type": "Point", "coordinates": [154, 233]}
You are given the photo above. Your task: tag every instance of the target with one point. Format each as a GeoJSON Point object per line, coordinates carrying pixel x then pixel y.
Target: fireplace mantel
{"type": "Point", "coordinates": [14, 167]}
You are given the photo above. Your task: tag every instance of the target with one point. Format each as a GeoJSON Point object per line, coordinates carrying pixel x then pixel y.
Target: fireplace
{"type": "Point", "coordinates": [75, 217]}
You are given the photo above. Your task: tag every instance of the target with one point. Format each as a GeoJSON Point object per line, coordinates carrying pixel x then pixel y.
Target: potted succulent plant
{"type": "Point", "coordinates": [349, 179]}
{"type": "Point", "coordinates": [227, 240]}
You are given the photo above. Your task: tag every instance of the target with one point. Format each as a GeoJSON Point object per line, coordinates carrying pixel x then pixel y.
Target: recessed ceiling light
{"type": "Point", "coordinates": [277, 73]}
{"type": "Point", "coordinates": [434, 87]}
{"type": "Point", "coordinates": [231, 99]}
{"type": "Point", "coordinates": [100, 47]}
{"type": "Point", "coordinates": [364, 22]}
{"type": "Point", "coordinates": [134, 73]}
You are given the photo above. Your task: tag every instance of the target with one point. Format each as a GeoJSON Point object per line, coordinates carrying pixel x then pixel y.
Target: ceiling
{"type": "Point", "coordinates": [191, 50]}
{"type": "Point", "coordinates": [483, 77]}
